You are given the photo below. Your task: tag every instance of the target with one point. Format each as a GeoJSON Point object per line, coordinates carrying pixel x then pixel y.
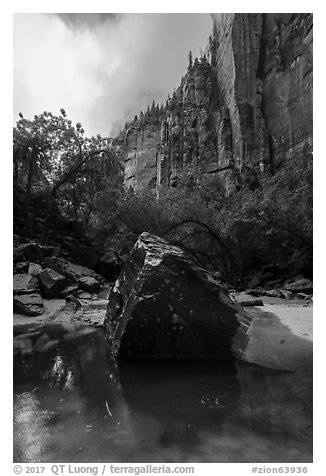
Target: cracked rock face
{"type": "Point", "coordinates": [239, 111]}
{"type": "Point", "coordinates": [163, 306]}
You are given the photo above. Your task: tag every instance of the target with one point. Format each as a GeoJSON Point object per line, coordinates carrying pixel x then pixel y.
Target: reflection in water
{"type": "Point", "coordinates": [73, 404]}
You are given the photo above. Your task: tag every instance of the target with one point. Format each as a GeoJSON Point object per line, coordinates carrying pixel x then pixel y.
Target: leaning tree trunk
{"type": "Point", "coordinates": [27, 229]}
{"type": "Point", "coordinates": [49, 214]}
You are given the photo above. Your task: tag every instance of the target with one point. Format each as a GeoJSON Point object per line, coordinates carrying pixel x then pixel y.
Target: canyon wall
{"type": "Point", "coordinates": [240, 110]}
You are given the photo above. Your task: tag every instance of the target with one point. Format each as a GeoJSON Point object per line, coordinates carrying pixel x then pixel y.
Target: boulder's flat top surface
{"type": "Point", "coordinates": [281, 337]}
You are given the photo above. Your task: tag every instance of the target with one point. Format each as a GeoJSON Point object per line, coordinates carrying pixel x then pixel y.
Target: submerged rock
{"type": "Point", "coordinates": [163, 306]}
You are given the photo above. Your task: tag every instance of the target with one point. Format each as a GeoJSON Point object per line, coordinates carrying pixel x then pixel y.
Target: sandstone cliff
{"type": "Point", "coordinates": [240, 110]}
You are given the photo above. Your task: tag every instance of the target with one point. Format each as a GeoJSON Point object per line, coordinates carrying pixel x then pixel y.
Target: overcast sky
{"type": "Point", "coordinates": [102, 68]}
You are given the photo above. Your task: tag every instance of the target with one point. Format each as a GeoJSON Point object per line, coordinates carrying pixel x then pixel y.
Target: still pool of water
{"type": "Point", "coordinates": [73, 403]}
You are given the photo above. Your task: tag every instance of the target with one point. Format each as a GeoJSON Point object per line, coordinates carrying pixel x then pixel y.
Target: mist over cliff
{"type": "Point", "coordinates": [102, 68]}
{"type": "Point", "coordinates": [241, 108]}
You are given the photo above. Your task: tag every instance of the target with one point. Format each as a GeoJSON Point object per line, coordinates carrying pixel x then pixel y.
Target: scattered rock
{"type": "Point", "coordinates": [71, 290]}
{"type": "Point", "coordinates": [85, 255]}
{"type": "Point", "coordinates": [163, 306]}
{"type": "Point", "coordinates": [247, 300]}
{"type": "Point", "coordinates": [29, 304]}
{"type": "Point", "coordinates": [70, 270]}
{"type": "Point", "coordinates": [21, 267]}
{"type": "Point", "coordinates": [34, 269]}
{"type": "Point", "coordinates": [31, 251]}
{"type": "Point", "coordinates": [84, 295]}
{"type": "Point", "coordinates": [89, 284]}
{"type": "Point", "coordinates": [110, 265]}
{"type": "Point", "coordinates": [50, 250]}
{"type": "Point", "coordinates": [53, 307]}
{"type": "Point", "coordinates": [300, 286]}
{"type": "Point", "coordinates": [285, 294]}
{"type": "Point", "coordinates": [303, 296]}
{"type": "Point", "coordinates": [273, 293]}
{"type": "Point", "coordinates": [73, 303]}
{"type": "Point", "coordinates": [255, 292]}
{"type": "Point", "coordinates": [104, 294]}
{"type": "Point", "coordinates": [18, 254]}
{"type": "Point", "coordinates": [22, 282]}
{"type": "Point", "coordinates": [52, 283]}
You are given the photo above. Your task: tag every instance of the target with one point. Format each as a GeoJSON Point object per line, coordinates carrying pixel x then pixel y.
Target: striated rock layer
{"type": "Point", "coordinates": [240, 110]}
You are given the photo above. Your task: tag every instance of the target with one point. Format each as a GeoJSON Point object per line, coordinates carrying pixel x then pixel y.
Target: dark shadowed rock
{"type": "Point", "coordinates": [17, 240]}
{"type": "Point", "coordinates": [85, 255]}
{"type": "Point", "coordinates": [255, 292]}
{"type": "Point", "coordinates": [21, 267]}
{"type": "Point", "coordinates": [89, 284]}
{"type": "Point", "coordinates": [31, 252]}
{"type": "Point", "coordinates": [28, 304]}
{"type": "Point", "coordinates": [18, 255]}
{"type": "Point", "coordinates": [50, 250]}
{"type": "Point", "coordinates": [52, 283]}
{"type": "Point", "coordinates": [109, 265]}
{"type": "Point", "coordinates": [163, 306]}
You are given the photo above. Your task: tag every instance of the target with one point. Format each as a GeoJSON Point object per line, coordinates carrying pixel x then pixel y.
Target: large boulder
{"type": "Point", "coordinates": [163, 306]}
{"type": "Point", "coordinates": [52, 283]}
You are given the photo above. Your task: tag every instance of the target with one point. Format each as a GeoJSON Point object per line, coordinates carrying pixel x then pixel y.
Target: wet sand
{"type": "Point", "coordinates": [280, 337]}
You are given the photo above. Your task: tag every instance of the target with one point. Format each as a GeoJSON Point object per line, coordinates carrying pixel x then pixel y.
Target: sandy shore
{"type": "Point", "coordinates": [280, 337]}
{"type": "Point", "coordinates": [297, 318]}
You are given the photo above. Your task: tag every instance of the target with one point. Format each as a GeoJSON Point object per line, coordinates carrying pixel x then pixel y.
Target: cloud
{"type": "Point", "coordinates": [88, 20]}
{"type": "Point", "coordinates": [102, 68]}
